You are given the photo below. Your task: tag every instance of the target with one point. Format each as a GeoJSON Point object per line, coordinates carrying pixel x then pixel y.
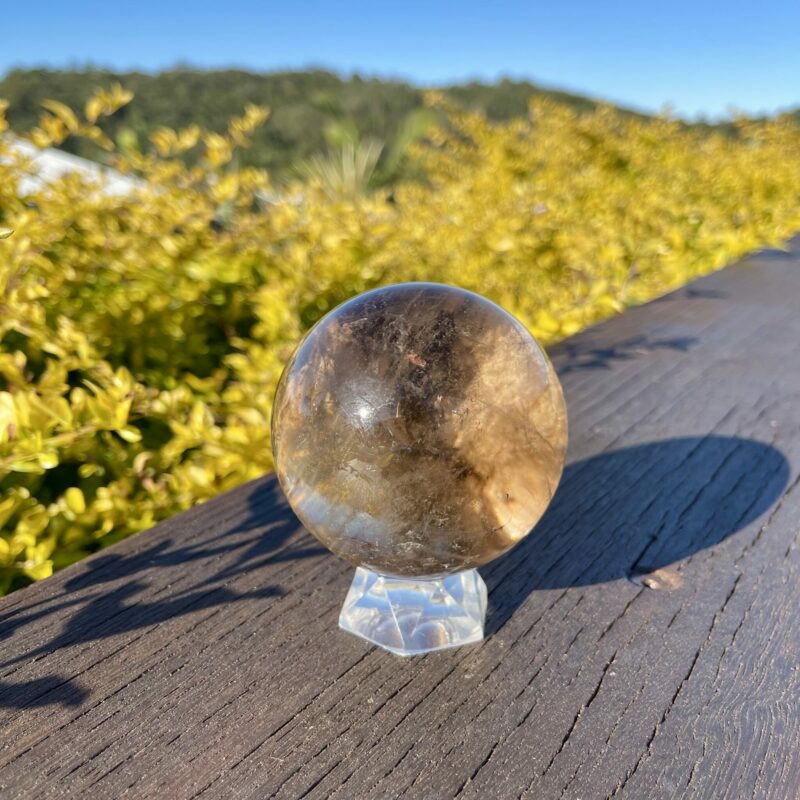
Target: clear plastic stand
{"type": "Point", "coordinates": [411, 616]}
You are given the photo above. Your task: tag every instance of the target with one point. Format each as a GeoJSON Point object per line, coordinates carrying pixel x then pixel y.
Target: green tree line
{"type": "Point", "coordinates": [304, 105]}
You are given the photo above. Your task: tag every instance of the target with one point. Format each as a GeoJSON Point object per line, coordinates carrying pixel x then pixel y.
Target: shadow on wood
{"type": "Point", "coordinates": [83, 614]}
{"type": "Point", "coordinates": [621, 514]}
{"type": "Point", "coordinates": [628, 513]}
{"type": "Point", "coordinates": [580, 356]}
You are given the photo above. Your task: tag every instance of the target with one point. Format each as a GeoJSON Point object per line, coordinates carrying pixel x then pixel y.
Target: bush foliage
{"type": "Point", "coordinates": [141, 336]}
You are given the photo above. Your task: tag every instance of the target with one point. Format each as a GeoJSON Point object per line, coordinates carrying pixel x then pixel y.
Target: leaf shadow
{"type": "Point", "coordinates": [115, 593]}
{"type": "Point", "coordinates": [579, 357]}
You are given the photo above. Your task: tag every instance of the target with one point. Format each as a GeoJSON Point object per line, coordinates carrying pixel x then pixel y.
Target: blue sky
{"type": "Point", "coordinates": [700, 57]}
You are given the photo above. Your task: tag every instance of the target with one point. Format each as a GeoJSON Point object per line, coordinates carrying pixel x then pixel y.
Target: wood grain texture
{"type": "Point", "coordinates": [643, 642]}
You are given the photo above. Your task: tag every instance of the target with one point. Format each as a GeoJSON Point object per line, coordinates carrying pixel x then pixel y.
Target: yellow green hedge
{"type": "Point", "coordinates": [141, 336]}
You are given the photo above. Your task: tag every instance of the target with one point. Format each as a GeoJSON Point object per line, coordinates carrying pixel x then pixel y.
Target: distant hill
{"type": "Point", "coordinates": [301, 102]}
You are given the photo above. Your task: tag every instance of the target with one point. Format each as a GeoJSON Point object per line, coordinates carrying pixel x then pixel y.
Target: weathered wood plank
{"type": "Point", "coordinates": [644, 641]}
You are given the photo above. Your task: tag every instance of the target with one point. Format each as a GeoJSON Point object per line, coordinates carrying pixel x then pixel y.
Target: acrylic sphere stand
{"type": "Point", "coordinates": [419, 431]}
{"type": "Point", "coordinates": [410, 616]}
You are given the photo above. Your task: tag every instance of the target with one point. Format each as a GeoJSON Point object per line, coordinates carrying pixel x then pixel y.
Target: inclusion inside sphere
{"type": "Point", "coordinates": [419, 429]}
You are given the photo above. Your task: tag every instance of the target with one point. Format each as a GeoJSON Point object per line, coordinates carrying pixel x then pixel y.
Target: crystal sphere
{"type": "Point", "coordinates": [419, 430]}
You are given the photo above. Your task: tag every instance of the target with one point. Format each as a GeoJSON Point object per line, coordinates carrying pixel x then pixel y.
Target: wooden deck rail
{"type": "Point", "coordinates": [644, 642]}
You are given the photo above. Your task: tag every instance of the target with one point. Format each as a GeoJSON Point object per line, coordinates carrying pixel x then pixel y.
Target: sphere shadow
{"type": "Point", "coordinates": [627, 513]}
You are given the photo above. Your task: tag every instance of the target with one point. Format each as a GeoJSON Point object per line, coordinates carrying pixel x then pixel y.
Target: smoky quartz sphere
{"type": "Point", "coordinates": [419, 430]}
